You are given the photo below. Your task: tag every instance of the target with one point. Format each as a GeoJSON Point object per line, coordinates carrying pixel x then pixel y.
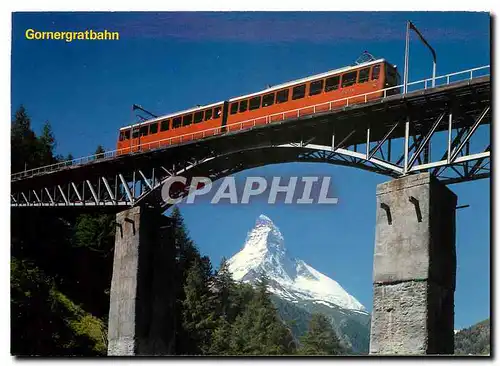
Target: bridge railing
{"type": "Point", "coordinates": [449, 78]}
{"type": "Point", "coordinates": [276, 117]}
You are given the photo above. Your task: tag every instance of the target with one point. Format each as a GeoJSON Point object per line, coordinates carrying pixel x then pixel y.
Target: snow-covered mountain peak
{"type": "Point", "coordinates": [263, 220]}
{"type": "Point", "coordinates": [265, 237]}
{"type": "Point", "coordinates": [292, 279]}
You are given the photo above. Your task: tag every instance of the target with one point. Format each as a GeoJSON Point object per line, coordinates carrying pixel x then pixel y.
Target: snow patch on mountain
{"type": "Point", "coordinates": [264, 252]}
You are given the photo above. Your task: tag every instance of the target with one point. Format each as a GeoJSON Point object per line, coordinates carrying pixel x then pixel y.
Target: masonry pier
{"type": "Point", "coordinates": [414, 268]}
{"type": "Point", "coordinates": [141, 299]}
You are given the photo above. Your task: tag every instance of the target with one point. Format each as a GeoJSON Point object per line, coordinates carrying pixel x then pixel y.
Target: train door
{"type": "Point", "coordinates": [135, 138]}
{"type": "Point", "coordinates": [392, 78]}
{"type": "Point", "coordinates": [225, 112]}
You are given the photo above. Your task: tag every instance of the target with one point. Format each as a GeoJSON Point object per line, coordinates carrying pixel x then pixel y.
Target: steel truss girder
{"type": "Point", "coordinates": [474, 127]}
{"type": "Point", "coordinates": [89, 193]}
{"type": "Point", "coordinates": [92, 193]}
{"type": "Point", "coordinates": [425, 141]}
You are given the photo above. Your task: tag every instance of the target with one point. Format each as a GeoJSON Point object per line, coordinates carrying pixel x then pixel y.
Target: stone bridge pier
{"type": "Point", "coordinates": [414, 268]}
{"type": "Point", "coordinates": [141, 318]}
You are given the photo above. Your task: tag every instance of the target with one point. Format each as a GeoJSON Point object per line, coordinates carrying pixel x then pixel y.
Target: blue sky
{"type": "Point", "coordinates": [172, 61]}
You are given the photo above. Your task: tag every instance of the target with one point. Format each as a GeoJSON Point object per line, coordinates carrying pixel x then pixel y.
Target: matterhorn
{"type": "Point", "coordinates": [298, 289]}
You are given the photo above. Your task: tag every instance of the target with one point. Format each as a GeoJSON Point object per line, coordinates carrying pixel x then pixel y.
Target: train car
{"type": "Point", "coordinates": [175, 128]}
{"type": "Point", "coordinates": [313, 94]}
{"type": "Point", "coordinates": [317, 93]}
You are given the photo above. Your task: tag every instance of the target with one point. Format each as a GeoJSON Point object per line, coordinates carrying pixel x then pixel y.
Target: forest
{"type": "Point", "coordinates": [61, 268]}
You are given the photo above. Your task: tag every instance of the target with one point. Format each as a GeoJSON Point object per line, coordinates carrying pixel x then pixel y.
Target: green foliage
{"type": "Point", "coordinates": [82, 323]}
{"type": "Point", "coordinates": [320, 338]}
{"type": "Point", "coordinates": [198, 310]}
{"type": "Point", "coordinates": [220, 316]}
{"type": "Point", "coordinates": [221, 337]}
{"type": "Point", "coordinates": [96, 232]}
{"type": "Point", "coordinates": [258, 330]}
{"type": "Point", "coordinates": [93, 328]}
{"type": "Point", "coordinates": [46, 146]}
{"type": "Point", "coordinates": [28, 150]}
{"type": "Point", "coordinates": [24, 143]}
{"type": "Point", "coordinates": [46, 322]}
{"type": "Point", "coordinates": [21, 125]}
{"type": "Point", "coordinates": [294, 316]}
{"type": "Point", "coordinates": [99, 151]}
{"type": "Point", "coordinates": [248, 323]}
{"type": "Point", "coordinates": [60, 267]}
{"type": "Point", "coordinates": [224, 287]}
{"type": "Point", "coordinates": [187, 256]}
{"type": "Point", "coordinates": [45, 318]}
{"type": "Point", "coordinates": [474, 340]}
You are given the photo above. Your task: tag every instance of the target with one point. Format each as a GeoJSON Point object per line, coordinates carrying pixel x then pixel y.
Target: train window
{"type": "Point", "coordinates": [144, 130]}
{"type": "Point", "coordinates": [121, 136]}
{"type": "Point", "coordinates": [282, 96]}
{"type": "Point", "coordinates": [217, 112]}
{"type": "Point", "coordinates": [392, 77]}
{"type": "Point", "coordinates": [349, 79]}
{"type": "Point", "coordinates": [254, 103]}
{"type": "Point", "coordinates": [126, 135]}
{"type": "Point", "coordinates": [268, 100]}
{"type": "Point", "coordinates": [332, 83]}
{"type": "Point", "coordinates": [135, 133]}
{"type": "Point", "coordinates": [187, 120]}
{"type": "Point", "coordinates": [299, 92]}
{"type": "Point", "coordinates": [153, 128]}
{"type": "Point", "coordinates": [376, 72]}
{"type": "Point", "coordinates": [316, 87]}
{"type": "Point", "coordinates": [176, 122]}
{"type": "Point", "coordinates": [234, 108]}
{"type": "Point", "coordinates": [198, 117]}
{"type": "Point", "coordinates": [208, 114]}
{"type": "Point", "coordinates": [165, 125]}
{"type": "Point", "coordinates": [364, 75]}
{"type": "Point", "coordinates": [243, 105]}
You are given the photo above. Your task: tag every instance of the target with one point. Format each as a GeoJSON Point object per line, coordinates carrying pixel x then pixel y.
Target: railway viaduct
{"type": "Point", "coordinates": [415, 260]}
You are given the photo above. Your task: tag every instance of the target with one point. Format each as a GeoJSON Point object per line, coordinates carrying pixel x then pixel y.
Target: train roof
{"type": "Point", "coordinates": [268, 90]}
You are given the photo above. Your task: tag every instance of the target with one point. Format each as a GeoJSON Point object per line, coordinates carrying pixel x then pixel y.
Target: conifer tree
{"type": "Point", "coordinates": [21, 125]}
{"type": "Point", "coordinates": [47, 145]}
{"type": "Point", "coordinates": [259, 330]}
{"type": "Point", "coordinates": [24, 144]}
{"type": "Point", "coordinates": [198, 310]}
{"type": "Point", "coordinates": [241, 296]}
{"type": "Point", "coordinates": [320, 338]}
{"type": "Point", "coordinates": [187, 255]}
{"type": "Point", "coordinates": [224, 288]}
{"type": "Point", "coordinates": [96, 232]}
{"type": "Point", "coordinates": [68, 159]}
{"type": "Point", "coordinates": [220, 341]}
{"type": "Point", "coordinates": [99, 151]}
{"type": "Point", "coordinates": [186, 249]}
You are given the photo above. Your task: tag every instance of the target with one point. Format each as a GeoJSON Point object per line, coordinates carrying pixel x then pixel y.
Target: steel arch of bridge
{"type": "Point", "coordinates": [394, 136]}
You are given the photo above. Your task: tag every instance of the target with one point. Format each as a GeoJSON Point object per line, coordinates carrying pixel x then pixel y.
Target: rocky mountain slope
{"type": "Point", "coordinates": [474, 340]}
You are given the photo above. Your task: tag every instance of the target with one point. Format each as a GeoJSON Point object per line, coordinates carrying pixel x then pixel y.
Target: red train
{"type": "Point", "coordinates": [313, 94]}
